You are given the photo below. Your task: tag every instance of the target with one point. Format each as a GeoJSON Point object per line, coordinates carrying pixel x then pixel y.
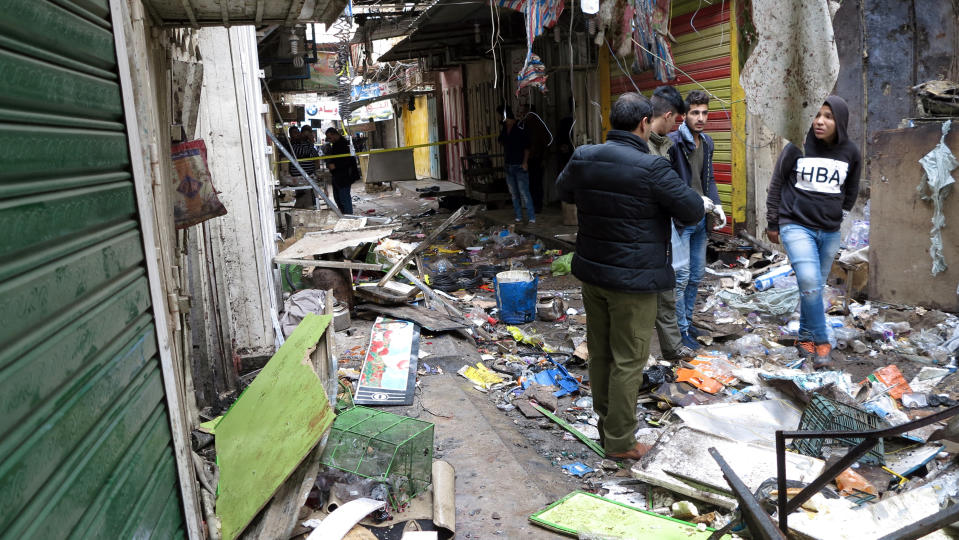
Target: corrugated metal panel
{"type": "Point", "coordinates": [702, 51]}
{"type": "Point", "coordinates": [85, 441]}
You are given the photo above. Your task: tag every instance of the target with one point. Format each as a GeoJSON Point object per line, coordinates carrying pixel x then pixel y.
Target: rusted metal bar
{"type": "Point", "coordinates": [926, 525]}
{"type": "Point", "coordinates": [870, 438]}
{"type": "Point", "coordinates": [760, 524]}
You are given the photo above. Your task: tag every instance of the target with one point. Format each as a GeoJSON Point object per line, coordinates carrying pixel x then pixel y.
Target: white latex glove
{"type": "Point", "coordinates": [720, 217]}
{"type": "Point", "coordinates": [708, 204]}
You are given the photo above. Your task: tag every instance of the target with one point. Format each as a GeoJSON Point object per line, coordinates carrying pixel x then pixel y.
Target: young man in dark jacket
{"type": "Point", "coordinates": [811, 190]}
{"type": "Point", "coordinates": [625, 198]}
{"type": "Point", "coordinates": [692, 157]}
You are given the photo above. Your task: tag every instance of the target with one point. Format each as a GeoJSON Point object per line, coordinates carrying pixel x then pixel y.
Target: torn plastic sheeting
{"type": "Point", "coordinates": [935, 186]}
{"type": "Point", "coordinates": [578, 469]}
{"type": "Point", "coordinates": [754, 422]}
{"type": "Point", "coordinates": [840, 519]}
{"type": "Point", "coordinates": [481, 375]}
{"type": "Point", "coordinates": [794, 65]}
{"type": "Point", "coordinates": [774, 301]}
{"type": "Point", "coordinates": [298, 305]}
{"type": "Point", "coordinates": [554, 377]}
{"type": "Point", "coordinates": [812, 382]}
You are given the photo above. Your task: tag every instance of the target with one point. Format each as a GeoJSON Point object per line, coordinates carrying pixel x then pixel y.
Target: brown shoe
{"type": "Point", "coordinates": [637, 452]}
{"type": "Point", "coordinates": [822, 359]}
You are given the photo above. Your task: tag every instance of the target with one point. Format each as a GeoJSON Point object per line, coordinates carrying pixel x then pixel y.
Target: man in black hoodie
{"type": "Point", "coordinates": [625, 198]}
{"type": "Point", "coordinates": [811, 191]}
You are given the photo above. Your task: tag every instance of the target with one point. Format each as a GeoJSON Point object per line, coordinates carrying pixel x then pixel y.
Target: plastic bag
{"type": "Point", "coordinates": [562, 265]}
{"type": "Point", "coordinates": [749, 345]}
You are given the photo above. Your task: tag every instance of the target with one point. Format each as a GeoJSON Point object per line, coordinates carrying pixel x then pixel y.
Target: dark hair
{"type": "Point", "coordinates": [294, 129]}
{"type": "Point", "coordinates": [331, 130]}
{"type": "Point", "coordinates": [306, 129]}
{"type": "Point", "coordinates": [666, 99]}
{"type": "Point", "coordinates": [629, 110]}
{"type": "Point", "coordinates": [697, 97]}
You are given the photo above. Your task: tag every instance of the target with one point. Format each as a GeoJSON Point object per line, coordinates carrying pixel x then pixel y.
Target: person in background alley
{"type": "Point", "coordinates": [343, 169]}
{"type": "Point", "coordinates": [625, 198]}
{"type": "Point", "coordinates": [692, 157]}
{"type": "Point", "coordinates": [303, 149]}
{"type": "Point", "coordinates": [516, 147]}
{"type": "Point", "coordinates": [811, 191]}
{"type": "Point", "coordinates": [538, 135]}
{"type": "Point", "coordinates": [668, 110]}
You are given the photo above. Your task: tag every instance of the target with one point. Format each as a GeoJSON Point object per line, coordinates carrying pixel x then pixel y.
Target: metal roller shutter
{"type": "Point", "coordinates": [702, 50]}
{"type": "Point", "coordinates": [85, 442]}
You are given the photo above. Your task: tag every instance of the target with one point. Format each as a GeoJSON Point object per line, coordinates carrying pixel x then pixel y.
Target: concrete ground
{"type": "Point", "coordinates": [501, 478]}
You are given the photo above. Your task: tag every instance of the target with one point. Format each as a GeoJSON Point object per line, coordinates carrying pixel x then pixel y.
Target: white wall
{"type": "Point", "coordinates": [241, 242]}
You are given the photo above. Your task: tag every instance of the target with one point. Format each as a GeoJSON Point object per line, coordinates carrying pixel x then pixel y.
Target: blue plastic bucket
{"type": "Point", "coordinates": [516, 296]}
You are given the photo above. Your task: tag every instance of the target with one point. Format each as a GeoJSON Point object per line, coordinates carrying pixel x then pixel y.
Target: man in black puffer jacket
{"type": "Point", "coordinates": [625, 198]}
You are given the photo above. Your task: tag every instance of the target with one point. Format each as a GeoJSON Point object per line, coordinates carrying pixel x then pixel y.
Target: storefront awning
{"type": "Point", "coordinates": [237, 12]}
{"type": "Point", "coordinates": [452, 33]}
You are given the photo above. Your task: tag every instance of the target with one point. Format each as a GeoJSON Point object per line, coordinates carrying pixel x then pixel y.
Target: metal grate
{"type": "Point", "coordinates": [824, 414]}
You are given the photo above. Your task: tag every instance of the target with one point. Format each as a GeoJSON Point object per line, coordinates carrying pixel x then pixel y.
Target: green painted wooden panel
{"type": "Point", "coordinates": [27, 83]}
{"type": "Point", "coordinates": [84, 428]}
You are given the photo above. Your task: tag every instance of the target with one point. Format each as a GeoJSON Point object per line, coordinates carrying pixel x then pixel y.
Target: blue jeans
{"type": "Point", "coordinates": [692, 240]}
{"type": "Point", "coordinates": [811, 253]}
{"type": "Point", "coordinates": [342, 197]}
{"type": "Point", "coordinates": [518, 181]}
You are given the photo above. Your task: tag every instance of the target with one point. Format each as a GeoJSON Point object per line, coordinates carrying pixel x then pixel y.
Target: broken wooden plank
{"type": "Point", "coordinates": [464, 211]}
{"type": "Point", "coordinates": [428, 319]}
{"type": "Point", "coordinates": [353, 265]}
{"type": "Point", "coordinates": [323, 242]}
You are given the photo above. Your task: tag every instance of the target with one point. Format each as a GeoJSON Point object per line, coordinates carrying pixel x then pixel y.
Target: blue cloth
{"type": "Point", "coordinates": [692, 242]}
{"type": "Point", "coordinates": [683, 145]}
{"type": "Point", "coordinates": [811, 253]}
{"type": "Point", "coordinates": [518, 181]}
{"type": "Point", "coordinates": [342, 198]}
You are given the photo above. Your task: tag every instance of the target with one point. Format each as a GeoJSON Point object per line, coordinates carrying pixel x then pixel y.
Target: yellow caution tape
{"type": "Point", "coordinates": [385, 150]}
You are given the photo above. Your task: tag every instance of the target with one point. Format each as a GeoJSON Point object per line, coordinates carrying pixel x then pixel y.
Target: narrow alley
{"type": "Point", "coordinates": [360, 269]}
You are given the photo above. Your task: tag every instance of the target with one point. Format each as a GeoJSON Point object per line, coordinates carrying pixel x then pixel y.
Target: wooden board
{"type": "Point", "coordinates": [433, 321]}
{"type": "Point", "coordinates": [271, 428]}
{"type": "Point", "coordinates": [446, 188]}
{"type": "Point", "coordinates": [321, 243]}
{"type": "Point", "coordinates": [899, 262]}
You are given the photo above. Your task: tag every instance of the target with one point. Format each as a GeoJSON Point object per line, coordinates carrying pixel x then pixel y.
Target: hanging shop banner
{"type": "Point", "coordinates": [325, 108]}
{"type": "Point", "coordinates": [388, 375]}
{"type": "Point", "coordinates": [367, 91]}
{"type": "Point", "coordinates": [323, 72]}
{"type": "Point", "coordinates": [378, 111]}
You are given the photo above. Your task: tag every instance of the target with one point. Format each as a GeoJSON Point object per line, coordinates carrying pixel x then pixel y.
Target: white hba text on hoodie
{"type": "Point", "coordinates": [821, 175]}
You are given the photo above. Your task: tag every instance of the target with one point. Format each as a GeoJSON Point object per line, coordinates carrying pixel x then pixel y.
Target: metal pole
{"type": "Point", "coordinates": [925, 525]}
{"type": "Point", "coordinates": [395, 269]}
{"type": "Point", "coordinates": [295, 163]}
{"type": "Point", "coordinates": [781, 480]}
{"type": "Point", "coordinates": [759, 522]}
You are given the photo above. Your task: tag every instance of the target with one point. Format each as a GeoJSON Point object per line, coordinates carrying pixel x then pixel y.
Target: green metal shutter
{"type": "Point", "coordinates": [85, 443]}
